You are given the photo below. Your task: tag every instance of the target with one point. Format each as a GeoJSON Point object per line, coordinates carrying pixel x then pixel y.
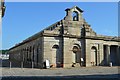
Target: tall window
{"type": "Point", "coordinates": [75, 16]}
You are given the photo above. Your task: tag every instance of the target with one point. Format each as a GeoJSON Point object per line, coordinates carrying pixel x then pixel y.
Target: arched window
{"type": "Point", "coordinates": [94, 49]}
{"type": "Point", "coordinates": [75, 49]}
{"type": "Point", "coordinates": [55, 46]}
{"type": "Point", "coordinates": [75, 16]}
{"type": "Point", "coordinates": [76, 54]}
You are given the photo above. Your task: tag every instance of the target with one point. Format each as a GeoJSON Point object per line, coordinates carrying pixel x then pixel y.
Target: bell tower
{"type": "Point", "coordinates": [74, 14]}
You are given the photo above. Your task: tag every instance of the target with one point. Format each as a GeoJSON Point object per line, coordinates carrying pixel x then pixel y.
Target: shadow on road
{"type": "Point", "coordinates": [76, 77]}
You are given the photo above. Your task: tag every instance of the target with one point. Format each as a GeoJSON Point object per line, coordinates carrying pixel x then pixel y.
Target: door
{"type": "Point", "coordinates": [93, 56]}
{"type": "Point", "coordinates": [73, 57]}
{"type": "Point", "coordinates": [54, 57]}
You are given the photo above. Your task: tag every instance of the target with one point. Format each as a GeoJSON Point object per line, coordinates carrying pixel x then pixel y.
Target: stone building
{"type": "Point", "coordinates": [70, 42]}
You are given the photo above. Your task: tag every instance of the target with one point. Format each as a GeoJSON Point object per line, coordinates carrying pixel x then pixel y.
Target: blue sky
{"type": "Point", "coordinates": [22, 20]}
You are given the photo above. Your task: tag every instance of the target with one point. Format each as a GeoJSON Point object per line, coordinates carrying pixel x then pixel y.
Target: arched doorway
{"type": "Point", "coordinates": [94, 56]}
{"type": "Point", "coordinates": [55, 56]}
{"type": "Point", "coordinates": [76, 54]}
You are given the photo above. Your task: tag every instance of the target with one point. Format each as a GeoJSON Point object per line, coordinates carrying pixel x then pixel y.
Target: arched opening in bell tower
{"type": "Point", "coordinates": [75, 15]}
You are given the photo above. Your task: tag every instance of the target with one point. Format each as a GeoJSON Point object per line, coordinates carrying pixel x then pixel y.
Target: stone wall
{"type": "Point", "coordinates": [99, 44]}
{"type": "Point", "coordinates": [28, 52]}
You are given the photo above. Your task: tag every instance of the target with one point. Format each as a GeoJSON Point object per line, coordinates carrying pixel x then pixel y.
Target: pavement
{"type": "Point", "coordinates": [59, 71]}
{"type": "Point", "coordinates": [83, 73]}
{"type": "Point", "coordinates": [80, 73]}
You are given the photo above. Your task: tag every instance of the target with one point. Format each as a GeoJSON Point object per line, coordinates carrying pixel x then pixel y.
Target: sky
{"type": "Point", "coordinates": [24, 19]}
{"type": "Point", "coordinates": [62, 0]}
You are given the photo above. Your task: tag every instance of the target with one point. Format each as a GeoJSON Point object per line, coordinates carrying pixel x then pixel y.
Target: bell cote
{"type": "Point", "coordinates": [74, 14]}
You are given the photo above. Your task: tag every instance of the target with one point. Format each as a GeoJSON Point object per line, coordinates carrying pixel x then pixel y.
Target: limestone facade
{"type": "Point", "coordinates": [70, 42]}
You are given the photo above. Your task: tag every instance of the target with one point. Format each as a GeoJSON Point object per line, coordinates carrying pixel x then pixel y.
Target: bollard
{"type": "Point", "coordinates": [10, 65]}
{"type": "Point", "coordinates": [21, 64]}
{"type": "Point", "coordinates": [32, 64]}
